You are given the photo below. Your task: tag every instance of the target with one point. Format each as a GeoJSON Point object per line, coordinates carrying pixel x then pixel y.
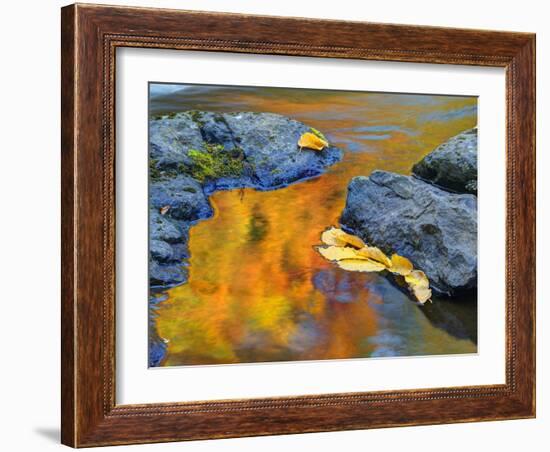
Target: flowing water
{"type": "Point", "coordinates": [258, 291]}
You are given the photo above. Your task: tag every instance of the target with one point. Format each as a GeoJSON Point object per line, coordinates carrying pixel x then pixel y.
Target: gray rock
{"type": "Point", "coordinates": [180, 251]}
{"type": "Point", "coordinates": [453, 164]}
{"type": "Point", "coordinates": [163, 228]}
{"type": "Point", "coordinates": [215, 129]}
{"type": "Point", "coordinates": [435, 229]}
{"type": "Point", "coordinates": [166, 275]}
{"type": "Point", "coordinates": [267, 141]}
{"type": "Point", "coordinates": [167, 248]}
{"type": "Point", "coordinates": [160, 251]}
{"type": "Point", "coordinates": [170, 138]}
{"type": "Point", "coordinates": [184, 195]}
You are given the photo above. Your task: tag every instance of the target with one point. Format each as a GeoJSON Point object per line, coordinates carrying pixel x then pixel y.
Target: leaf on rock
{"type": "Point", "coordinates": [375, 254]}
{"type": "Point", "coordinates": [400, 265]}
{"type": "Point", "coordinates": [318, 133]}
{"type": "Point", "coordinates": [361, 265]}
{"type": "Point", "coordinates": [337, 237]}
{"type": "Point", "coordinates": [337, 253]}
{"type": "Point", "coordinates": [164, 209]}
{"type": "Point", "coordinates": [311, 141]}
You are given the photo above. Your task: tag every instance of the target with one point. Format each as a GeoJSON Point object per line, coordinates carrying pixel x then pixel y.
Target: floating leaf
{"type": "Point", "coordinates": [311, 141]}
{"type": "Point", "coordinates": [352, 254]}
{"type": "Point", "coordinates": [422, 294]}
{"type": "Point", "coordinates": [337, 253]}
{"type": "Point", "coordinates": [417, 278]}
{"type": "Point", "coordinates": [419, 285]}
{"type": "Point", "coordinates": [400, 265]}
{"type": "Point", "coordinates": [337, 237]}
{"type": "Point", "coordinates": [375, 254]}
{"type": "Point", "coordinates": [164, 209]}
{"type": "Point", "coordinates": [361, 265]}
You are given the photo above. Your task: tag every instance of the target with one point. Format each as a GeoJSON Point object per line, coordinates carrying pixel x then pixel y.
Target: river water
{"type": "Point", "coordinates": [258, 291]}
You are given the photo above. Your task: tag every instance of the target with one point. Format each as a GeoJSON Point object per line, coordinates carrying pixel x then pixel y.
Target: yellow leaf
{"type": "Point", "coordinates": [400, 265]}
{"type": "Point", "coordinates": [352, 254]}
{"type": "Point", "coordinates": [422, 294]}
{"type": "Point", "coordinates": [336, 253]}
{"type": "Point", "coordinates": [375, 254]}
{"type": "Point", "coordinates": [337, 237]}
{"type": "Point", "coordinates": [311, 141]}
{"type": "Point", "coordinates": [417, 278]}
{"type": "Point", "coordinates": [419, 285]}
{"type": "Point", "coordinates": [361, 265]}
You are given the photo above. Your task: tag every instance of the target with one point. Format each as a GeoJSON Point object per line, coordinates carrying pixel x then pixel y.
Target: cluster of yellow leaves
{"type": "Point", "coordinates": [351, 253]}
{"type": "Point", "coordinates": [312, 141]}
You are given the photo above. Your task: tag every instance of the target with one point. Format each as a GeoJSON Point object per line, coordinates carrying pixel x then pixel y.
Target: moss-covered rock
{"type": "Point", "coordinates": [228, 150]}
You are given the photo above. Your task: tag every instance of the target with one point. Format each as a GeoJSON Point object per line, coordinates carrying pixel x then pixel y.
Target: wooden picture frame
{"type": "Point", "coordinates": [90, 36]}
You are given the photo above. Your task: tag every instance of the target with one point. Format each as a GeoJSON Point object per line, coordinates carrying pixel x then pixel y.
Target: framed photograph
{"type": "Point", "coordinates": [282, 225]}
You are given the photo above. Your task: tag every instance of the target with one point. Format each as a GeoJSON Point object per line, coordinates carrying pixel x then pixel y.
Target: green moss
{"type": "Point", "coordinates": [196, 117]}
{"type": "Point", "coordinates": [183, 169]}
{"type": "Point", "coordinates": [275, 171]}
{"type": "Point", "coordinates": [203, 164]}
{"type": "Point", "coordinates": [154, 172]}
{"type": "Point", "coordinates": [168, 115]}
{"type": "Point", "coordinates": [219, 119]}
{"type": "Point", "coordinates": [213, 162]}
{"type": "Point", "coordinates": [318, 134]}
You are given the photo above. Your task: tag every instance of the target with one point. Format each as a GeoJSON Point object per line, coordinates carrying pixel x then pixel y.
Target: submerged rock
{"type": "Point", "coordinates": [435, 229]}
{"type": "Point", "coordinates": [157, 346]}
{"type": "Point", "coordinates": [166, 274]}
{"type": "Point", "coordinates": [453, 164]}
{"type": "Point", "coordinates": [194, 153]}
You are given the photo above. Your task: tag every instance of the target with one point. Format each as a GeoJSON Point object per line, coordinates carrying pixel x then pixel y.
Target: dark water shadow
{"type": "Point", "coordinates": [457, 316]}
{"type": "Point", "coordinates": [52, 434]}
{"type": "Point", "coordinates": [399, 319]}
{"type": "Point", "coordinates": [157, 346]}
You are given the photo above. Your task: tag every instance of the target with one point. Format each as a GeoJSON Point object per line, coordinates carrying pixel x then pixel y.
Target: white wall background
{"type": "Point", "coordinates": [29, 247]}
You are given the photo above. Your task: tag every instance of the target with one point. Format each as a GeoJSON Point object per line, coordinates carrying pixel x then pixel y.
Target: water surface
{"type": "Point", "coordinates": [258, 291]}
